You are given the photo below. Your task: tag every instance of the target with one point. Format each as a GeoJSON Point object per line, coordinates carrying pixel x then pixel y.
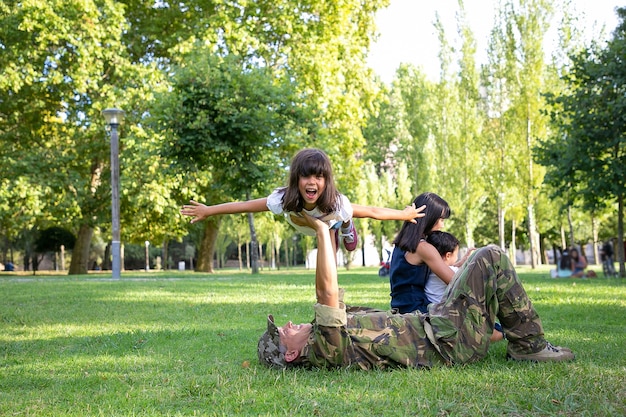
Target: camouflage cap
{"type": "Point", "coordinates": [270, 351]}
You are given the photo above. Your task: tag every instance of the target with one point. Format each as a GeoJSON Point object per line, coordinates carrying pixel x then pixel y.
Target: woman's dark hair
{"type": "Point", "coordinates": [411, 234]}
{"type": "Point", "coordinates": [444, 242]}
{"type": "Point", "coordinates": [305, 163]}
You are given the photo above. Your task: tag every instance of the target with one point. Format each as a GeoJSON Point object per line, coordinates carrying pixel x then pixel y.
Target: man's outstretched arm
{"type": "Point", "coordinates": [326, 286]}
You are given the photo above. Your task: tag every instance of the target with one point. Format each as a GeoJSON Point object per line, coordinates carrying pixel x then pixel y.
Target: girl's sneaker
{"type": "Point", "coordinates": [350, 238]}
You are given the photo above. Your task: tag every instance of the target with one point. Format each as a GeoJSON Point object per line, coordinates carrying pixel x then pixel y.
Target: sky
{"type": "Point", "coordinates": [407, 34]}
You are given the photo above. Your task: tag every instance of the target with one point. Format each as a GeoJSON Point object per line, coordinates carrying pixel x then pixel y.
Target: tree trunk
{"type": "Point", "coordinates": [571, 226]}
{"type": "Point", "coordinates": [542, 251]}
{"type": "Point", "coordinates": [513, 247]}
{"type": "Point", "coordinates": [594, 231]}
{"type": "Point", "coordinates": [207, 245]}
{"type": "Point", "coordinates": [277, 246]}
{"type": "Point", "coordinates": [532, 236]}
{"type": "Point", "coordinates": [287, 253]}
{"type": "Point", "coordinates": [80, 254]}
{"type": "Point", "coordinates": [106, 261]}
{"type": "Point", "coordinates": [272, 255]}
{"type": "Point", "coordinates": [165, 255]}
{"type": "Point", "coordinates": [239, 258]}
{"type": "Point", "coordinates": [532, 228]}
{"type": "Point", "coordinates": [620, 235]}
{"type": "Point", "coordinates": [254, 246]}
{"type": "Point", "coordinates": [501, 221]}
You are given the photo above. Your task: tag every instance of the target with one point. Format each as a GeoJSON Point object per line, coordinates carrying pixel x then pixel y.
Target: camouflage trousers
{"type": "Point", "coordinates": [486, 287]}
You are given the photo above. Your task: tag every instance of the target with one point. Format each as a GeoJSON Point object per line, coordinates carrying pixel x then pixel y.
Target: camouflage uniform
{"type": "Point", "coordinates": [485, 288]}
{"type": "Point", "coordinates": [456, 330]}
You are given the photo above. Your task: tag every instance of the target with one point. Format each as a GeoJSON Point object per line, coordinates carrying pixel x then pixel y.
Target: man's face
{"type": "Point", "coordinates": [294, 336]}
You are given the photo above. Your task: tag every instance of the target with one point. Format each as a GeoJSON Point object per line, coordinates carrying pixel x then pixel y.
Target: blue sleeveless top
{"type": "Point", "coordinates": [407, 284]}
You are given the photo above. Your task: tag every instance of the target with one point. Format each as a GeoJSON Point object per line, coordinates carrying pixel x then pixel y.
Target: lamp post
{"type": "Point", "coordinates": [113, 119]}
{"type": "Point", "coordinates": [147, 256]}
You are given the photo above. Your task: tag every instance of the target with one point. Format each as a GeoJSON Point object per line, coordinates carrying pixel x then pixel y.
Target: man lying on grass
{"type": "Point", "coordinates": [454, 331]}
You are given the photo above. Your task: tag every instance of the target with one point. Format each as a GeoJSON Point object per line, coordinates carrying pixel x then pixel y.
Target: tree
{"type": "Point", "coordinates": [62, 63]}
{"type": "Point", "coordinates": [234, 119]}
{"type": "Point", "coordinates": [322, 44]}
{"type": "Point", "coordinates": [468, 148]}
{"type": "Point", "coordinates": [532, 20]}
{"type": "Point", "coordinates": [591, 121]}
{"type": "Point", "coordinates": [496, 82]}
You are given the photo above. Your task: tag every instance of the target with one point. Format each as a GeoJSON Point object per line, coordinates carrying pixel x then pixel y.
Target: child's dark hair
{"type": "Point", "coordinates": [444, 242]}
{"type": "Point", "coordinates": [305, 163]}
{"type": "Point", "coordinates": [411, 234]}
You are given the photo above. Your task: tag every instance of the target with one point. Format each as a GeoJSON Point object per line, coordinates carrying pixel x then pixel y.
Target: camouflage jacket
{"type": "Point", "coordinates": [368, 338]}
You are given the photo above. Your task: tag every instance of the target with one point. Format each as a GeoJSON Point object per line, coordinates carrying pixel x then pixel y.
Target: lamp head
{"type": "Point", "coordinates": [113, 116]}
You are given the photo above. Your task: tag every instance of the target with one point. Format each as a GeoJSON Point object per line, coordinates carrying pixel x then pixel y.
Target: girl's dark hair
{"type": "Point", "coordinates": [305, 163]}
{"type": "Point", "coordinates": [444, 242]}
{"type": "Point", "coordinates": [411, 234]}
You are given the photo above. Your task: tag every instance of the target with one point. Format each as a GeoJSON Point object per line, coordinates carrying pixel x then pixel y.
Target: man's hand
{"type": "Point", "coordinates": [305, 220]}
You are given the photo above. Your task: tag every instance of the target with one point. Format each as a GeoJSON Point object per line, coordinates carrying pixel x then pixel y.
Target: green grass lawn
{"type": "Point", "coordinates": [174, 344]}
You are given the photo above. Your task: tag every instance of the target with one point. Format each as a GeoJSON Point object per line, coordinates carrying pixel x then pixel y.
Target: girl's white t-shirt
{"type": "Point", "coordinates": [333, 220]}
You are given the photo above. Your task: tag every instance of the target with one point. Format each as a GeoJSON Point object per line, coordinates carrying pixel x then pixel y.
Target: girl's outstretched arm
{"type": "Point", "coordinates": [199, 211]}
{"type": "Point", "coordinates": [381, 213]}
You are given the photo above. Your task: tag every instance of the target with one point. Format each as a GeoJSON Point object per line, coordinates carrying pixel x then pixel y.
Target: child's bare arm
{"type": "Point", "coordinates": [410, 213]}
{"type": "Point", "coordinates": [461, 261]}
{"type": "Point", "coordinates": [199, 211]}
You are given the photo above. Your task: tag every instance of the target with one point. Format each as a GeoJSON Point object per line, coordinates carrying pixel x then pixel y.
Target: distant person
{"type": "Point", "coordinates": [566, 261]}
{"type": "Point", "coordinates": [9, 267]}
{"type": "Point", "coordinates": [564, 266]}
{"type": "Point", "coordinates": [579, 264]}
{"type": "Point", "coordinates": [455, 331]}
{"type": "Point", "coordinates": [607, 250]}
{"type": "Point", "coordinates": [606, 254]}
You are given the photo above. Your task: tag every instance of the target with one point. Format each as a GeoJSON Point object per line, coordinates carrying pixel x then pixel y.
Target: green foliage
{"type": "Point", "coordinates": [589, 116]}
{"type": "Point", "coordinates": [586, 156]}
{"type": "Point", "coordinates": [51, 240]}
{"type": "Point", "coordinates": [179, 344]}
{"type": "Point", "coordinates": [62, 63]}
{"type": "Point", "coordinates": [283, 75]}
{"type": "Point", "coordinates": [233, 119]}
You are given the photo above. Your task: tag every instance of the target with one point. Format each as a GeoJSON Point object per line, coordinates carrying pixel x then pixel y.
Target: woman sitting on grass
{"type": "Point", "coordinates": [579, 264]}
